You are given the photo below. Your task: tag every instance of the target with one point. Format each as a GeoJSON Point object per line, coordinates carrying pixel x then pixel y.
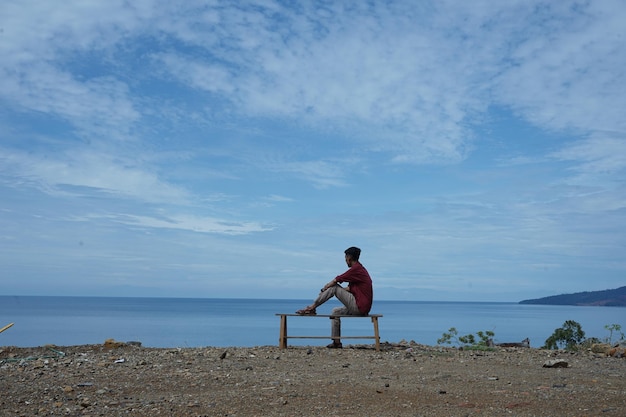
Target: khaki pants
{"type": "Point", "coordinates": [349, 306]}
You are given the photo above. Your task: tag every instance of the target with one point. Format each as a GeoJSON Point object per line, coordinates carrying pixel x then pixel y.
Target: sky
{"type": "Point", "coordinates": [474, 151]}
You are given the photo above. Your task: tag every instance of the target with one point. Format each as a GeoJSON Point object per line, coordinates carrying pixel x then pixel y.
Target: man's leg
{"type": "Point", "coordinates": [326, 295]}
{"type": "Point", "coordinates": [349, 308]}
{"type": "Point", "coordinates": [348, 300]}
{"type": "Point", "coordinates": [321, 299]}
{"type": "Point", "coordinates": [342, 294]}
{"type": "Point", "coordinates": [335, 325]}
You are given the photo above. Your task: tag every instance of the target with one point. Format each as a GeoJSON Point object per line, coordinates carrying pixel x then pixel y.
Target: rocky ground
{"type": "Point", "coordinates": [402, 379]}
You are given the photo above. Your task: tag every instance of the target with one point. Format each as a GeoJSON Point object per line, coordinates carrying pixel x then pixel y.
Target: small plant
{"type": "Point", "coordinates": [614, 330]}
{"type": "Point", "coordinates": [467, 341]}
{"type": "Point", "coordinates": [448, 338]}
{"type": "Point", "coordinates": [569, 336]}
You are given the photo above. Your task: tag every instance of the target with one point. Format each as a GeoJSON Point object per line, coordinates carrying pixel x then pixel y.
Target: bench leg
{"type": "Point", "coordinates": [376, 336]}
{"type": "Point", "coordinates": [282, 339]}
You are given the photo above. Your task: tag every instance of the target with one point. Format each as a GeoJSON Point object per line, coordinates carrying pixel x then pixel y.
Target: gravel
{"type": "Point", "coordinates": [403, 379]}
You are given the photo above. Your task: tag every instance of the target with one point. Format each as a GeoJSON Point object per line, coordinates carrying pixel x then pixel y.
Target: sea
{"type": "Point", "coordinates": [217, 322]}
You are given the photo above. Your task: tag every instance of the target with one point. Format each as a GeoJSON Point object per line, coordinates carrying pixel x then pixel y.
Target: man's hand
{"type": "Point", "coordinates": [330, 284]}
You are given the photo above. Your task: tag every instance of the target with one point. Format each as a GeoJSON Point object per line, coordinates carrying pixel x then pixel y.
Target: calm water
{"type": "Point", "coordinates": [183, 322]}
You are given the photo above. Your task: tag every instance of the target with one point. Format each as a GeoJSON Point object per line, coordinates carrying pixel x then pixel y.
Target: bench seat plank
{"type": "Point", "coordinates": [327, 315]}
{"type": "Point", "coordinates": [331, 337]}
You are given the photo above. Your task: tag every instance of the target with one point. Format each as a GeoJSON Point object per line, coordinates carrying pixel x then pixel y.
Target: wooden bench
{"type": "Point", "coordinates": [282, 341]}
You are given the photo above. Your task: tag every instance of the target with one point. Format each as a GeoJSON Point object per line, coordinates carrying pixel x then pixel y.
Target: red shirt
{"type": "Point", "coordinates": [360, 285]}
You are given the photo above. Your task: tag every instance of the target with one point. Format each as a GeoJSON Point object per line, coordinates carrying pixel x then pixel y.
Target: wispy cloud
{"type": "Point", "coordinates": [193, 224]}
{"type": "Point", "coordinates": [97, 170]}
{"type": "Point", "coordinates": [385, 70]}
{"type": "Point", "coordinates": [600, 154]}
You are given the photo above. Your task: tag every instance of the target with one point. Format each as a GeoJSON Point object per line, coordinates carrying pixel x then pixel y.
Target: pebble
{"type": "Point", "coordinates": [555, 363]}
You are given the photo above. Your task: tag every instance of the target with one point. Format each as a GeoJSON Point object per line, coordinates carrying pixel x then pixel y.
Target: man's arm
{"type": "Point", "coordinates": [330, 284]}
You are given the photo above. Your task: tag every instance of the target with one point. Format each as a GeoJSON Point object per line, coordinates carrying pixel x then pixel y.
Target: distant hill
{"type": "Point", "coordinates": [607, 298]}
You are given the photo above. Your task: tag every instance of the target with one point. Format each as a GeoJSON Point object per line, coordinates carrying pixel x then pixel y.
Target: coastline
{"type": "Point", "coordinates": [404, 379]}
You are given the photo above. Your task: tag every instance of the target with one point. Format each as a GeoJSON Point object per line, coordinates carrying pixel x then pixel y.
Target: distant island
{"type": "Point", "coordinates": [606, 298]}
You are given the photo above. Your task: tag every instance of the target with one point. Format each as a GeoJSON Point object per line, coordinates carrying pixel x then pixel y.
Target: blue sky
{"type": "Point", "coordinates": [474, 150]}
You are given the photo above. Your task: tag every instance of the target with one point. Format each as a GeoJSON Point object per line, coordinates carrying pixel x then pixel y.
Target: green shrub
{"type": "Point", "coordinates": [469, 341]}
{"type": "Point", "coordinates": [569, 337]}
{"type": "Point", "coordinates": [614, 330]}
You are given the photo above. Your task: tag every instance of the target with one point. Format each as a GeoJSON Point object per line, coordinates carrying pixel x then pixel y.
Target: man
{"type": "Point", "coordinates": [356, 297]}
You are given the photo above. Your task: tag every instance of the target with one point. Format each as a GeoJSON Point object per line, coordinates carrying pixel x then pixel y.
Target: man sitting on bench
{"type": "Point", "coordinates": [356, 297]}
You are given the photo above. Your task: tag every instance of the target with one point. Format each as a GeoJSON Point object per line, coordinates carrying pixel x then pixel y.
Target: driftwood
{"type": "Point", "coordinates": [524, 343]}
{"type": "Point", "coordinates": [6, 327]}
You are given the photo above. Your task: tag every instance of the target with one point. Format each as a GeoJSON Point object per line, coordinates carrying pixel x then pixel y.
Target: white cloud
{"type": "Point", "coordinates": [351, 71]}
{"type": "Point", "coordinates": [279, 198]}
{"type": "Point", "coordinates": [38, 42]}
{"type": "Point", "coordinates": [402, 78]}
{"type": "Point", "coordinates": [320, 173]}
{"type": "Point", "coordinates": [99, 107]}
{"type": "Point", "coordinates": [601, 154]}
{"type": "Point", "coordinates": [567, 71]}
{"type": "Point", "coordinates": [123, 176]}
{"type": "Point", "coordinates": [193, 223]}
{"type": "Point", "coordinates": [206, 76]}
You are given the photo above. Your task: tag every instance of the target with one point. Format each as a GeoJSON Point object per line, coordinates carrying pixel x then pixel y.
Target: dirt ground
{"type": "Point", "coordinates": [404, 379]}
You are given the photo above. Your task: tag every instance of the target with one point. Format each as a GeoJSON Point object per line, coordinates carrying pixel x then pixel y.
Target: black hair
{"type": "Point", "coordinates": [353, 252]}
